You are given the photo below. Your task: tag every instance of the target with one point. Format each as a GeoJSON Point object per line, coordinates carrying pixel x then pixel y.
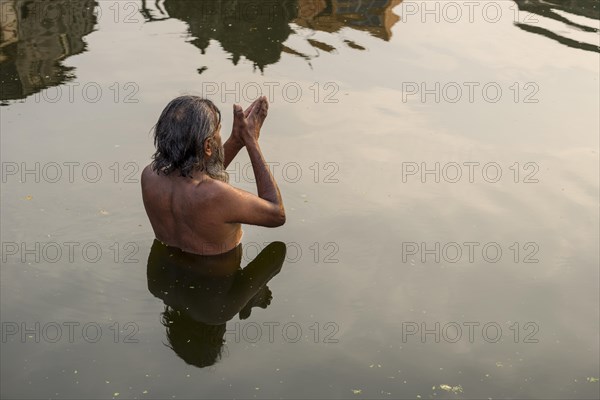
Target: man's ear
{"type": "Point", "coordinates": [208, 147]}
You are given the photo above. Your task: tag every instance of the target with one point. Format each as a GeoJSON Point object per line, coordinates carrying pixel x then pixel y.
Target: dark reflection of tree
{"type": "Point", "coordinates": [257, 29]}
{"type": "Point", "coordinates": [253, 29]}
{"type": "Point", "coordinates": [202, 293]}
{"type": "Point", "coordinates": [549, 8]}
{"type": "Point", "coordinates": [35, 36]}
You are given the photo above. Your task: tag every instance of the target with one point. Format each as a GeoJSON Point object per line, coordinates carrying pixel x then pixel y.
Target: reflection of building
{"type": "Point", "coordinates": [35, 36]}
{"type": "Point", "coordinates": [257, 29]}
{"type": "Point", "coordinates": [549, 8]}
{"type": "Point", "coordinates": [374, 16]}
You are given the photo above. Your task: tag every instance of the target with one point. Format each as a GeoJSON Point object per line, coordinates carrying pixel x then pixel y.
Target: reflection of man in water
{"type": "Point", "coordinates": [202, 293]}
{"type": "Point", "coordinates": [186, 195]}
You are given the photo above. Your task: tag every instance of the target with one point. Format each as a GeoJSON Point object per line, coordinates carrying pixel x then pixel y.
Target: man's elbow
{"type": "Point", "coordinates": [278, 219]}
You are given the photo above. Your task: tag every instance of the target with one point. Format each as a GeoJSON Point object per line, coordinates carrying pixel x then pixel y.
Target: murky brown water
{"type": "Point", "coordinates": [439, 167]}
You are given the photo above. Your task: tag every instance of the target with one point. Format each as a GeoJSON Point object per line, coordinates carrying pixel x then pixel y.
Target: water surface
{"type": "Point", "coordinates": [368, 98]}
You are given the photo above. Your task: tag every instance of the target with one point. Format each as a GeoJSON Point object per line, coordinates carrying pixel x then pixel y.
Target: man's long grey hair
{"type": "Point", "coordinates": [179, 136]}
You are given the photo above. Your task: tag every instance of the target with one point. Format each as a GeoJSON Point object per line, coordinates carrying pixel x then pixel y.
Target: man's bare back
{"type": "Point", "coordinates": [201, 213]}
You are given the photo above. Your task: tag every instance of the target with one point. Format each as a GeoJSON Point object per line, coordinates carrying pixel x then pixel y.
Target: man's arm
{"type": "Point", "coordinates": [232, 147]}
{"type": "Point", "coordinates": [239, 206]}
{"type": "Point", "coordinates": [265, 183]}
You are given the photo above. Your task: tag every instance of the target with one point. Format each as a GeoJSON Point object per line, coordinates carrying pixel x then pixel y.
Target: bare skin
{"type": "Point", "coordinates": [202, 215]}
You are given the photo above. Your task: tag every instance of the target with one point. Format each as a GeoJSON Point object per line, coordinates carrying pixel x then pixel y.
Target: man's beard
{"type": "Point", "coordinates": [215, 165]}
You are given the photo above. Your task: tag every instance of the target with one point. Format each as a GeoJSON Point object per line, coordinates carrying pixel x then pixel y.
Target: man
{"type": "Point", "coordinates": [185, 189]}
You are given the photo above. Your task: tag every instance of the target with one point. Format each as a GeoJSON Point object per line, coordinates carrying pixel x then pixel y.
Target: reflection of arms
{"type": "Point", "coordinates": [259, 272]}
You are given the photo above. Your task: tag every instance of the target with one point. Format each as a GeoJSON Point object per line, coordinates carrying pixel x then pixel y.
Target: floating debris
{"type": "Point", "coordinates": [357, 391]}
{"type": "Point", "coordinates": [28, 197]}
{"type": "Point", "coordinates": [591, 379]}
{"type": "Point", "coordinates": [453, 389]}
{"type": "Point", "coordinates": [104, 212]}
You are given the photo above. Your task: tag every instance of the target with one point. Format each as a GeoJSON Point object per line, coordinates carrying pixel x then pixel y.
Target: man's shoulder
{"type": "Point", "coordinates": [148, 173]}
{"type": "Point", "coordinates": [197, 191]}
{"type": "Point", "coordinates": [215, 190]}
